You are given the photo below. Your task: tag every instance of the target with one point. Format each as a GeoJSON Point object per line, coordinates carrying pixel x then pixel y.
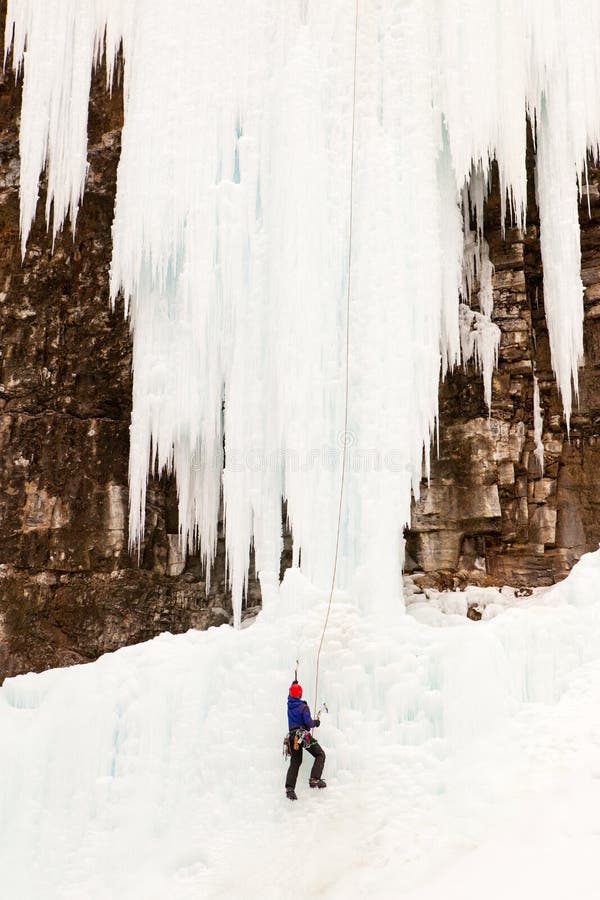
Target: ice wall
{"type": "Point", "coordinates": [232, 225]}
{"type": "Point", "coordinates": [156, 772]}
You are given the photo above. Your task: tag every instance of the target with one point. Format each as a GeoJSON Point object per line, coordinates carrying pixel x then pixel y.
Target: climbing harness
{"type": "Point", "coordinates": [302, 738]}
{"type": "Point", "coordinates": [348, 295]}
{"type": "Point", "coordinates": [297, 739]}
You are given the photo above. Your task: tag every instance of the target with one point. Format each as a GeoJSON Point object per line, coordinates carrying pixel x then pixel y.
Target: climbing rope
{"type": "Point", "coordinates": [348, 294]}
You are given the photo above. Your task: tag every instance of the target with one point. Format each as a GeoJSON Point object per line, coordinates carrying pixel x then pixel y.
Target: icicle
{"type": "Point", "coordinates": [561, 250]}
{"type": "Point", "coordinates": [479, 336]}
{"type": "Point", "coordinates": [480, 340]}
{"type": "Point", "coordinates": [486, 271]}
{"type": "Point", "coordinates": [538, 424]}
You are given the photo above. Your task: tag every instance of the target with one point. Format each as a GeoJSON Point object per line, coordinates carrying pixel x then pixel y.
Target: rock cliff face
{"type": "Point", "coordinates": [69, 590]}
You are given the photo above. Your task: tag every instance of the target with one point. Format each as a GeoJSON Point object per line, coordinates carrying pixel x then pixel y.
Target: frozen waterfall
{"type": "Point", "coordinates": [230, 237]}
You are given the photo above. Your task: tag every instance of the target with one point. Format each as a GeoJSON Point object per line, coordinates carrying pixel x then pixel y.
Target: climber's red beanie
{"type": "Point", "coordinates": [296, 690]}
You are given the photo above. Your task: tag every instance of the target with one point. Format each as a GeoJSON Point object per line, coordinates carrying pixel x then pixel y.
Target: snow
{"type": "Point", "coordinates": [230, 238]}
{"type": "Point", "coordinates": [460, 760]}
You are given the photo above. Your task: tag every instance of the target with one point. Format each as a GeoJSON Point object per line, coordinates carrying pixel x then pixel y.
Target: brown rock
{"type": "Point", "coordinates": [542, 525]}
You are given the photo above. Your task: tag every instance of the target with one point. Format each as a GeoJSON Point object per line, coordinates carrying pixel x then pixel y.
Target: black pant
{"type": "Point", "coordinates": [315, 750]}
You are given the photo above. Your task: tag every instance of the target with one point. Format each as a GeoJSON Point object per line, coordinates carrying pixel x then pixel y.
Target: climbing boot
{"type": "Point", "coordinates": [290, 793]}
{"type": "Point", "coordinates": [317, 782]}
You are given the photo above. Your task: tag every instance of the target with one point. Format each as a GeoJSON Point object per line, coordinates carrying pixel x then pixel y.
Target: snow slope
{"type": "Point", "coordinates": [461, 759]}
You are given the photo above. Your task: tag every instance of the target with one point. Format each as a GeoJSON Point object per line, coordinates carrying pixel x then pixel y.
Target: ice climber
{"type": "Point", "coordinates": [299, 723]}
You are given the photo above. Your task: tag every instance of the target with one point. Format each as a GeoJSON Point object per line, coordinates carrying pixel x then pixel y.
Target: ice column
{"type": "Point", "coordinates": [538, 425]}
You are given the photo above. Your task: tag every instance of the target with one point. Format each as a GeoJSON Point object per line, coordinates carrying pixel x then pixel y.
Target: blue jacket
{"type": "Point", "coordinates": [299, 714]}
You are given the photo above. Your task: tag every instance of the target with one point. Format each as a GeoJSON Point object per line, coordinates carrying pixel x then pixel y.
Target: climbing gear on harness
{"type": "Point", "coordinates": [317, 783]}
{"type": "Point", "coordinates": [302, 738]}
{"type": "Point", "coordinates": [298, 738]}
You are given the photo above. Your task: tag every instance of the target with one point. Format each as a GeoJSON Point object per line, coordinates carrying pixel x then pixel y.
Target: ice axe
{"type": "Point", "coordinates": [323, 708]}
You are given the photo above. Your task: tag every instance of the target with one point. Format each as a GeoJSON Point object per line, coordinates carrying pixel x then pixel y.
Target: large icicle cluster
{"type": "Point", "coordinates": [231, 235]}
